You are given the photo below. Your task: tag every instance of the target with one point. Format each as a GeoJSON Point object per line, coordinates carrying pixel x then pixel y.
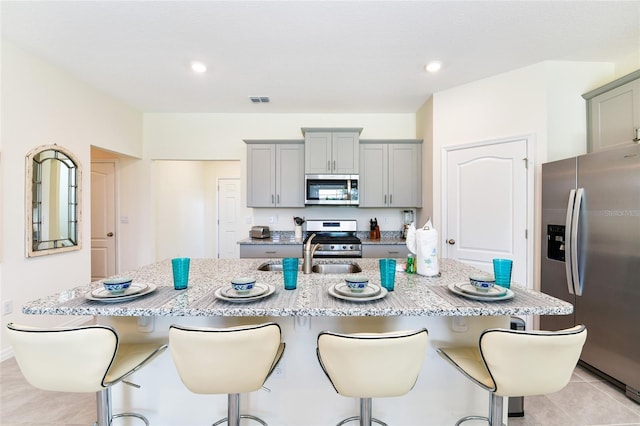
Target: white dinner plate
{"type": "Point", "coordinates": [453, 287]}
{"type": "Point", "coordinates": [495, 291]}
{"type": "Point", "coordinates": [122, 298]}
{"type": "Point", "coordinates": [103, 293]}
{"type": "Point", "coordinates": [369, 291]}
{"type": "Point", "coordinates": [332, 291]}
{"type": "Point", "coordinates": [257, 290]}
{"type": "Point", "coordinates": [218, 294]}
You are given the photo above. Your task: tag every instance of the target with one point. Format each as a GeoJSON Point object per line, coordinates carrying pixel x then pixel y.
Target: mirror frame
{"type": "Point", "coordinates": [32, 236]}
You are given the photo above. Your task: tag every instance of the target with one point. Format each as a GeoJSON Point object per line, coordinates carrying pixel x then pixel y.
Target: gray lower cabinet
{"type": "Point", "coordinates": [270, 250]}
{"type": "Point", "coordinates": [390, 174]}
{"type": "Point", "coordinates": [385, 250]}
{"type": "Point", "coordinates": [613, 114]}
{"type": "Point", "coordinates": [275, 174]}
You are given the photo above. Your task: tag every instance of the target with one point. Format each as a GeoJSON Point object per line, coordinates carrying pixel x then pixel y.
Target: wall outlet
{"type": "Point", "coordinates": [278, 372]}
{"type": "Point", "coordinates": [146, 324]}
{"type": "Point", "coordinates": [459, 324]}
{"type": "Point", "coordinates": [7, 307]}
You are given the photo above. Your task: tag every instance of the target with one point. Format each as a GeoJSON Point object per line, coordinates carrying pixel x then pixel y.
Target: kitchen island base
{"type": "Point", "coordinates": [300, 393]}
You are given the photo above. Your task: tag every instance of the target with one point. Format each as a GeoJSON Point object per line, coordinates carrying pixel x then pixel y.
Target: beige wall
{"type": "Point", "coordinates": [542, 101]}
{"type": "Point", "coordinates": [220, 137]}
{"type": "Point", "coordinates": [43, 105]}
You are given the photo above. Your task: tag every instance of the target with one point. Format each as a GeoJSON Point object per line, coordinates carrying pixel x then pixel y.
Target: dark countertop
{"type": "Point", "coordinates": [287, 238]}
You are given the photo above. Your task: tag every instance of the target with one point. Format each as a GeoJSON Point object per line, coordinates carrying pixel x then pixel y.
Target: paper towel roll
{"type": "Point", "coordinates": [427, 251]}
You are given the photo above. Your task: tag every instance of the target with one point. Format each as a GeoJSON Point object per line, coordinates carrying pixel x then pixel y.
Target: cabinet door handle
{"type": "Point", "coordinates": [278, 199]}
{"type": "Point", "coordinates": [385, 198]}
{"type": "Point", "coordinates": [394, 252]}
{"type": "Point", "coordinates": [334, 165]}
{"type": "Point", "coordinates": [270, 252]}
{"type": "Point", "coordinates": [328, 165]}
{"type": "Point", "coordinates": [390, 199]}
{"type": "Point", "coordinates": [109, 234]}
{"type": "Point", "coordinates": [272, 200]}
{"type": "Point", "coordinates": [637, 138]}
{"type": "Point", "coordinates": [451, 241]}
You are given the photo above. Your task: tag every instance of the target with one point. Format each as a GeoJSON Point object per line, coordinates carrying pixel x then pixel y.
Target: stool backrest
{"type": "Point", "coordinates": [224, 360]}
{"type": "Point", "coordinates": [73, 359]}
{"type": "Point", "coordinates": [370, 365]}
{"type": "Point", "coordinates": [531, 362]}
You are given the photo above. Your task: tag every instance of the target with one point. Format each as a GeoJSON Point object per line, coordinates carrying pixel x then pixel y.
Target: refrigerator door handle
{"type": "Point", "coordinates": [569, 241]}
{"type": "Point", "coordinates": [575, 223]}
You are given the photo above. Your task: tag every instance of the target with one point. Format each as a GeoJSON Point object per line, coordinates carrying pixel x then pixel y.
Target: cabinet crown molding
{"type": "Point", "coordinates": [331, 129]}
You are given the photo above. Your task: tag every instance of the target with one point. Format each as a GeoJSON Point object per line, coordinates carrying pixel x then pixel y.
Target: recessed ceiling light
{"type": "Point", "coordinates": [433, 66]}
{"type": "Point", "coordinates": [198, 67]}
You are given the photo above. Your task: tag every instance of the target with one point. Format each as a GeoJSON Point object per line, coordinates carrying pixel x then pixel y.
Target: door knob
{"type": "Point", "coordinates": [110, 234]}
{"type": "Point", "coordinates": [451, 241]}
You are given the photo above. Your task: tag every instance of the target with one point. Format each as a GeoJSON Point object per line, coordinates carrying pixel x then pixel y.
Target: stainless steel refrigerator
{"type": "Point", "coordinates": [591, 256]}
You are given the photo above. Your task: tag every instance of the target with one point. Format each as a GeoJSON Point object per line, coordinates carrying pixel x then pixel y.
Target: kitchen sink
{"type": "Point", "coordinates": [336, 268]}
{"type": "Point", "coordinates": [320, 268]}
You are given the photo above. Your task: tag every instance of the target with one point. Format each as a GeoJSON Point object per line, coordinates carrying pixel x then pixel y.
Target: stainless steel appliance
{"type": "Point", "coordinates": [407, 220]}
{"type": "Point", "coordinates": [260, 232]}
{"type": "Point", "coordinates": [331, 190]}
{"type": "Point", "coordinates": [591, 256]}
{"type": "Point", "coordinates": [337, 238]}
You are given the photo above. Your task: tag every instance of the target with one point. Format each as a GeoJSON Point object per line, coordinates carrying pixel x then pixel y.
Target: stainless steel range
{"type": "Point", "coordinates": [337, 238]}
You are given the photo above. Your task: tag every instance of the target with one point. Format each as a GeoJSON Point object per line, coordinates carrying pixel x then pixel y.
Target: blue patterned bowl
{"type": "Point", "coordinates": [357, 283]}
{"type": "Point", "coordinates": [482, 282]}
{"type": "Point", "coordinates": [117, 285]}
{"type": "Point", "coordinates": [243, 285]}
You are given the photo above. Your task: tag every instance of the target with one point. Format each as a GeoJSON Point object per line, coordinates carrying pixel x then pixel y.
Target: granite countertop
{"type": "Point", "coordinates": [414, 295]}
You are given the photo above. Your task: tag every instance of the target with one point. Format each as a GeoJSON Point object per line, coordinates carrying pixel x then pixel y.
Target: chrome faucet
{"type": "Point", "coordinates": [309, 250]}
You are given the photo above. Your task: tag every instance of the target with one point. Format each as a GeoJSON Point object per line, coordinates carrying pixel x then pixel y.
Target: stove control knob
{"type": "Point", "coordinates": [333, 247]}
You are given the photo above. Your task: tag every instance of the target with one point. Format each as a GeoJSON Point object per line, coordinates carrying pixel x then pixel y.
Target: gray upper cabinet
{"type": "Point", "coordinates": [275, 173]}
{"type": "Point", "coordinates": [391, 173]}
{"type": "Point", "coordinates": [331, 151]}
{"type": "Point", "coordinates": [613, 113]}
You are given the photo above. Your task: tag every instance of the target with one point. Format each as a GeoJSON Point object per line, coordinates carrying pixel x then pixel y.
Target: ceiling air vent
{"type": "Point", "coordinates": [259, 99]}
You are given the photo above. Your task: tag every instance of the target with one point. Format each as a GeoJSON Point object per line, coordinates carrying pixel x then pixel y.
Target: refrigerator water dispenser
{"type": "Point", "coordinates": [555, 242]}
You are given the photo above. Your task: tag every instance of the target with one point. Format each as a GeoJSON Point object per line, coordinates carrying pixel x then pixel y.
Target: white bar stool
{"type": "Point", "coordinates": [372, 365]}
{"type": "Point", "coordinates": [228, 361]}
{"type": "Point", "coordinates": [80, 359]}
{"type": "Point", "coordinates": [518, 363]}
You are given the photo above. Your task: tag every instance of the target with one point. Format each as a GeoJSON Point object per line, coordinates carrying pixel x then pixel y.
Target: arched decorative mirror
{"type": "Point", "coordinates": [53, 194]}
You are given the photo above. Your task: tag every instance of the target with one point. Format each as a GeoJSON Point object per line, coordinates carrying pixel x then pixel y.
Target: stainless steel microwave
{"type": "Point", "coordinates": [336, 190]}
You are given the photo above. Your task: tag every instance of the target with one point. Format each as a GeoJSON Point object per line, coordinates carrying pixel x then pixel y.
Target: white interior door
{"type": "Point", "coordinates": [229, 225]}
{"type": "Point", "coordinates": [103, 220]}
{"type": "Point", "coordinates": [486, 205]}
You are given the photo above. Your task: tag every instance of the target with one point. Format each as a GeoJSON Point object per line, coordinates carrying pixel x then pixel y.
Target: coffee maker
{"type": "Point", "coordinates": [407, 220]}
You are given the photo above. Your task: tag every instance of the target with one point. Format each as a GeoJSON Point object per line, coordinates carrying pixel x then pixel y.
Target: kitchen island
{"type": "Point", "coordinates": [300, 393]}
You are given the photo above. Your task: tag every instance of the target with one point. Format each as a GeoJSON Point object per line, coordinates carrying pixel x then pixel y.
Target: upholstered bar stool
{"type": "Point", "coordinates": [228, 361]}
{"type": "Point", "coordinates": [372, 365]}
{"type": "Point", "coordinates": [518, 363]}
{"type": "Point", "coordinates": [79, 359]}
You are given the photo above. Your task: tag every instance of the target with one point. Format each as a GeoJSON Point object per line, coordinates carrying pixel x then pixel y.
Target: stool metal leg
{"type": "Point", "coordinates": [365, 411]}
{"type": "Point", "coordinates": [495, 409]}
{"type": "Point", "coordinates": [365, 416]}
{"type": "Point", "coordinates": [495, 412]}
{"type": "Point", "coordinates": [233, 413]}
{"type": "Point", "coordinates": [103, 403]}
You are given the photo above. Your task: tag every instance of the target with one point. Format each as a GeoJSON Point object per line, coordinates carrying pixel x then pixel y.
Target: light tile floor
{"type": "Point", "coordinates": [587, 400]}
